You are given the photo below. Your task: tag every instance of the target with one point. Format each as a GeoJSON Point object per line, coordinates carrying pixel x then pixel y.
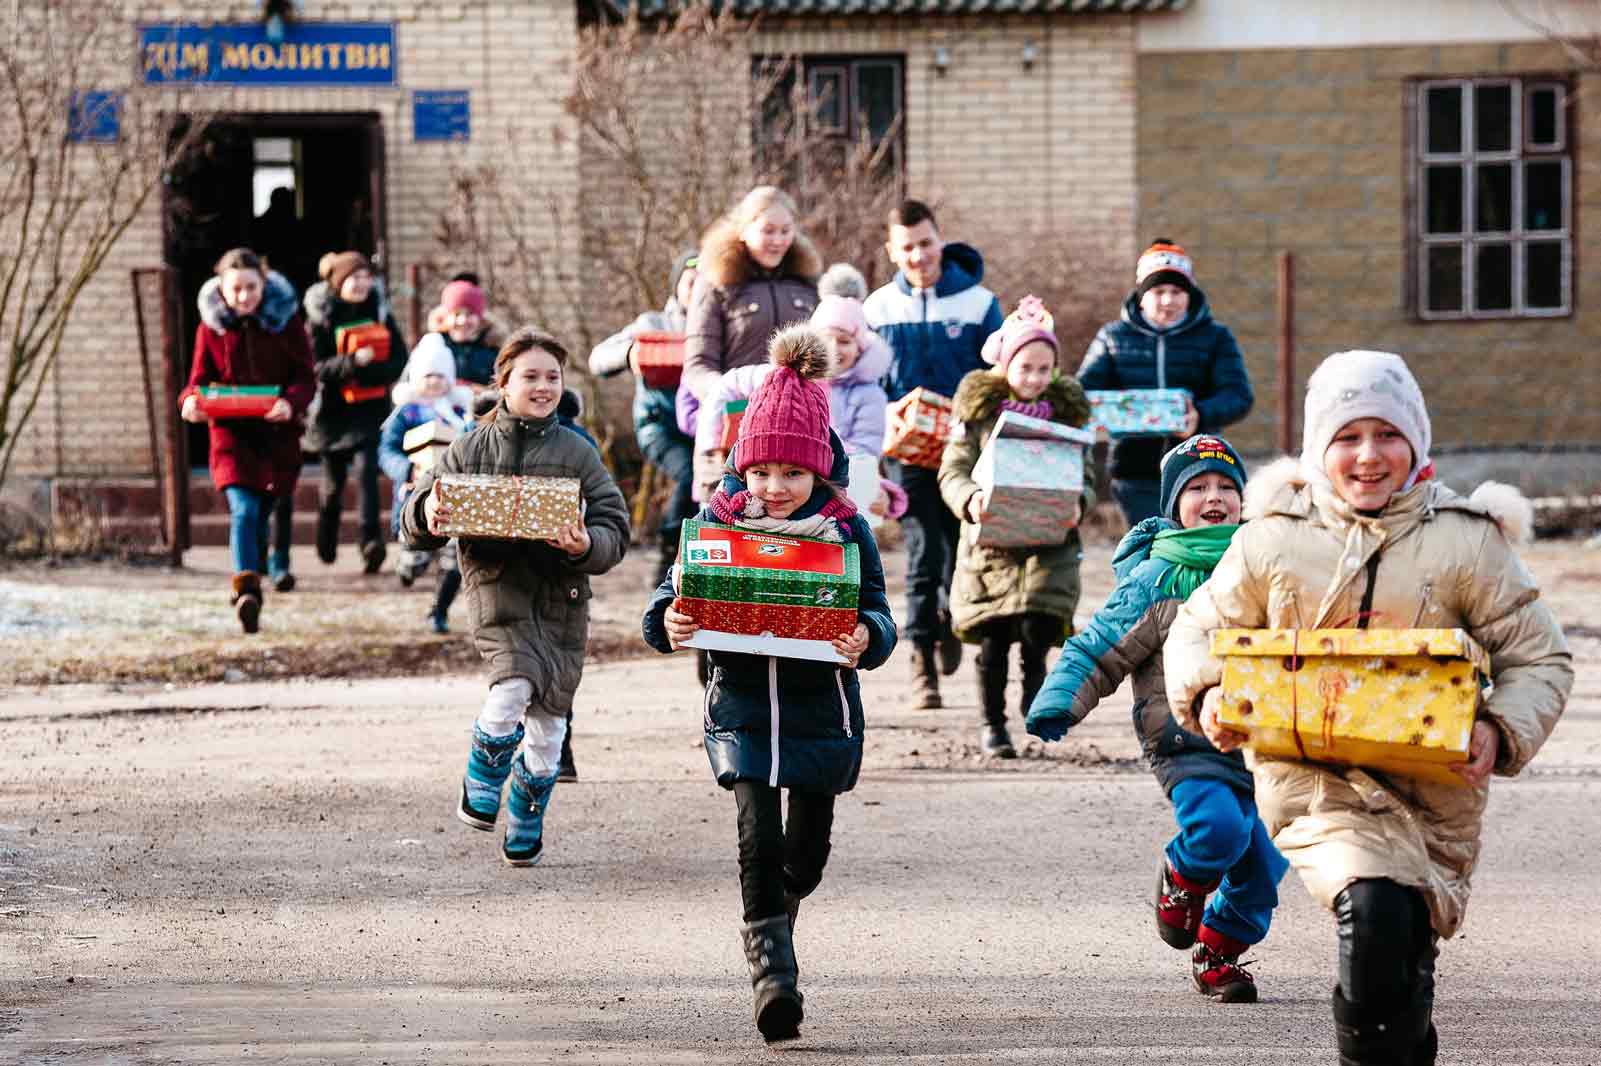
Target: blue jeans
{"type": "Point", "coordinates": [931, 531]}
{"type": "Point", "coordinates": [248, 511]}
{"type": "Point", "coordinates": [673, 455]}
{"type": "Point", "coordinates": [1138, 498]}
{"type": "Point", "coordinates": [1220, 835]}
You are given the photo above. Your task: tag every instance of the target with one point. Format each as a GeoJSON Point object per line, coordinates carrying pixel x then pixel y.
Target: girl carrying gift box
{"type": "Point", "coordinates": [530, 600]}
{"type": "Point", "coordinates": [1006, 596]}
{"type": "Point", "coordinates": [1358, 529]}
{"type": "Point", "coordinates": [774, 723]}
{"type": "Point", "coordinates": [1221, 844]}
{"type": "Point", "coordinates": [251, 333]}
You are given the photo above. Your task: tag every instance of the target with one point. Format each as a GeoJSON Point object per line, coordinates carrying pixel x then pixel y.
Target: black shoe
{"type": "Point", "coordinates": [437, 622]}
{"type": "Point", "coordinates": [327, 537]}
{"type": "Point", "coordinates": [949, 651]}
{"type": "Point", "coordinates": [997, 743]}
{"type": "Point", "coordinates": [770, 953]}
{"type": "Point", "coordinates": [522, 856]}
{"type": "Point", "coordinates": [372, 556]}
{"type": "Point", "coordinates": [566, 769]}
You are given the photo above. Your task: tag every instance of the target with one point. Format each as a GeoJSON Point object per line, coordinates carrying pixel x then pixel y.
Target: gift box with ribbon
{"type": "Point", "coordinates": [1033, 472]}
{"type": "Point", "coordinates": [354, 336]}
{"type": "Point", "coordinates": [427, 443]}
{"type": "Point", "coordinates": [507, 507]}
{"type": "Point", "coordinates": [236, 401]}
{"type": "Point", "coordinates": [918, 425]}
{"type": "Point", "coordinates": [1397, 700]}
{"type": "Point", "coordinates": [767, 594]}
{"type": "Point", "coordinates": [1126, 412]}
{"type": "Point", "coordinates": [658, 357]}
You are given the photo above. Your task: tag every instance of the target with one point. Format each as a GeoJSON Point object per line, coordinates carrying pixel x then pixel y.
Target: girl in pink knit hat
{"type": "Point", "coordinates": [1006, 596]}
{"type": "Point", "coordinates": [778, 723]}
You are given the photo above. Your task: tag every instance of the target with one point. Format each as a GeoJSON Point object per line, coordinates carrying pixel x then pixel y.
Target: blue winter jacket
{"type": "Point", "coordinates": [819, 706]}
{"type": "Point", "coordinates": [936, 335]}
{"type": "Point", "coordinates": [1125, 638]}
{"type": "Point", "coordinates": [392, 457]}
{"type": "Point", "coordinates": [1197, 355]}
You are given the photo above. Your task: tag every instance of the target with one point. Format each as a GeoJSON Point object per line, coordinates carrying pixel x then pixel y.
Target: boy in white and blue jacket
{"type": "Point", "coordinates": [428, 393]}
{"type": "Point", "coordinates": [1222, 845]}
{"type": "Point", "coordinates": [935, 317]}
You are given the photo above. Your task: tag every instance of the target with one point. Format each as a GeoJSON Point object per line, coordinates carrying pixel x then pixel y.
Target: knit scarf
{"type": "Point", "coordinates": [1193, 552]}
{"type": "Point", "coordinates": [746, 511]}
{"type": "Point", "coordinates": [1040, 409]}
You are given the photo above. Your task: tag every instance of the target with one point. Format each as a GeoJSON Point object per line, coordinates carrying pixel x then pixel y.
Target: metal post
{"type": "Point", "coordinates": [150, 399]}
{"type": "Point", "coordinates": [414, 280]}
{"type": "Point", "coordinates": [176, 489]}
{"type": "Point", "coordinates": [1287, 353]}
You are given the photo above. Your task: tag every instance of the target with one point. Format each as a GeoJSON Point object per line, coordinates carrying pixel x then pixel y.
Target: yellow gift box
{"type": "Point", "coordinates": [1398, 700]}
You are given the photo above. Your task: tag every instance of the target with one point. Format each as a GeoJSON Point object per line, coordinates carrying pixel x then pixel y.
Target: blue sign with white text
{"type": "Point", "coordinates": [310, 53]}
{"type": "Point", "coordinates": [441, 115]}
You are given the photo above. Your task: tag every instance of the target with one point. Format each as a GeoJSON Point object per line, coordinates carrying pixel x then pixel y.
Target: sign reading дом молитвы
{"type": "Point", "coordinates": [311, 53]}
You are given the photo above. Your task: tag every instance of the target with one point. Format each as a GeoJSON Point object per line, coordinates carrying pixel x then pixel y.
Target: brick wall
{"type": "Point", "coordinates": [1246, 153]}
{"type": "Point", "coordinates": [511, 54]}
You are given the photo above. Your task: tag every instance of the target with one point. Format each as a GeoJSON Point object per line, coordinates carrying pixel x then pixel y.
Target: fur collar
{"type": "Point", "coordinates": [724, 261]}
{"type": "Point", "coordinates": [978, 398]}
{"type": "Point", "coordinates": [278, 305]}
{"type": "Point", "coordinates": [1281, 488]}
{"type": "Point", "coordinates": [320, 299]}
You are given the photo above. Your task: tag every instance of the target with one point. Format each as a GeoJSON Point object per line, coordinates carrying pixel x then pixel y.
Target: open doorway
{"type": "Point", "coordinates": [290, 186]}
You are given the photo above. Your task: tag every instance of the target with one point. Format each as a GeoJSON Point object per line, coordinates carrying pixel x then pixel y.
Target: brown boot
{"type": "Point", "coordinates": [925, 679]}
{"type": "Point", "coordinates": [247, 599]}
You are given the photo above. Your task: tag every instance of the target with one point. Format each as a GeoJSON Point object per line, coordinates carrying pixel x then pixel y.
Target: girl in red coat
{"type": "Point", "coordinates": [251, 333]}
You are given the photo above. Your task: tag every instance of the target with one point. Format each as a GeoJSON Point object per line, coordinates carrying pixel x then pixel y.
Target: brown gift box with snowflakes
{"type": "Point", "coordinates": [506, 507]}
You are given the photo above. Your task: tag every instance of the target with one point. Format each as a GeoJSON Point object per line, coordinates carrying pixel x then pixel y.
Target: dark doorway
{"type": "Point", "coordinates": [290, 186]}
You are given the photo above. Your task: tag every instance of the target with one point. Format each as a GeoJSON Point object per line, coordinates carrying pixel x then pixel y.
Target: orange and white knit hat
{"type": "Point", "coordinates": [1164, 263]}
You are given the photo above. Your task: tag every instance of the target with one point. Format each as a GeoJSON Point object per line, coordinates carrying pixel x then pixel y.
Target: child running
{"type": "Point", "coordinates": [1358, 530]}
{"type": "Point", "coordinates": [428, 393]}
{"type": "Point", "coordinates": [1221, 844]}
{"type": "Point", "coordinates": [775, 723]}
{"type": "Point", "coordinates": [530, 600]}
{"type": "Point", "coordinates": [1006, 596]}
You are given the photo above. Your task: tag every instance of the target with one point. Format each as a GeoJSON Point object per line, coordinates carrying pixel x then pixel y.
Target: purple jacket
{"type": "Point", "coordinates": [857, 402]}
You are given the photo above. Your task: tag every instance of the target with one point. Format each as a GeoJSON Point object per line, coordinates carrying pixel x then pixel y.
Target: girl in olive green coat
{"type": "Point", "coordinates": [1006, 596]}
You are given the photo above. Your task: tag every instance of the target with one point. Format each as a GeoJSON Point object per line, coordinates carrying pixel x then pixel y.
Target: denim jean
{"type": "Point", "coordinates": [930, 530]}
{"type": "Point", "coordinates": [775, 858]}
{"type": "Point", "coordinates": [247, 526]}
{"type": "Point", "coordinates": [1220, 835]}
{"type": "Point", "coordinates": [283, 533]}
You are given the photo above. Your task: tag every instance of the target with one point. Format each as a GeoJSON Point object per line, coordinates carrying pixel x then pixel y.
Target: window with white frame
{"type": "Point", "coordinates": [1494, 198]}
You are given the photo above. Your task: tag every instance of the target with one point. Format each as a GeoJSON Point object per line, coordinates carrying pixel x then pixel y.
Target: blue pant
{"type": "Point", "coordinates": [248, 511]}
{"type": "Point", "coordinates": [673, 454]}
{"type": "Point", "coordinates": [930, 530]}
{"type": "Point", "coordinates": [1220, 835]}
{"type": "Point", "coordinates": [1137, 498]}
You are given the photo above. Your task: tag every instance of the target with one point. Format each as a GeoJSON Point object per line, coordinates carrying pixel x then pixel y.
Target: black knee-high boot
{"type": "Point", "coordinates": [1384, 1003]}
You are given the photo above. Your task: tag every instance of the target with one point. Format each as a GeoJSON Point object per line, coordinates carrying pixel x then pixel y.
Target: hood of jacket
{"type": "Point", "coordinates": [319, 303]}
{"type": "Point", "coordinates": [1135, 547]}
{"type": "Point", "coordinates": [961, 267]}
{"type": "Point", "coordinates": [278, 305]}
{"type": "Point", "coordinates": [978, 398]}
{"type": "Point", "coordinates": [1200, 312]}
{"type": "Point", "coordinates": [726, 263]}
{"type": "Point", "coordinates": [459, 396]}
{"type": "Point", "coordinates": [872, 363]}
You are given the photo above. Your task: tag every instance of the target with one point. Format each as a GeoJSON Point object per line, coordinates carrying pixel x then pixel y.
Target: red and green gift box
{"type": "Point", "coordinates": [733, 415]}
{"type": "Point", "coordinates": [919, 425]}
{"type": "Point", "coordinates": [658, 357]}
{"type": "Point", "coordinates": [236, 401]}
{"type": "Point", "coordinates": [765, 593]}
{"type": "Point", "coordinates": [353, 337]}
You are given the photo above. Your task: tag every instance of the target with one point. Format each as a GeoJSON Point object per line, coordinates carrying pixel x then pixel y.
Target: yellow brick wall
{"type": "Point", "coordinates": [512, 55]}
{"type": "Point", "coordinates": [1243, 154]}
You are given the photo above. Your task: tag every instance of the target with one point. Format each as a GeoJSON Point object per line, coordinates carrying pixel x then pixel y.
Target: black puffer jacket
{"type": "Point", "coordinates": [1197, 355]}
{"type": "Point", "coordinates": [340, 425]}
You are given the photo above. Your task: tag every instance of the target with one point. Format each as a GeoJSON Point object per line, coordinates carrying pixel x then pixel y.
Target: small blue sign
{"type": "Point", "coordinates": [441, 115]}
{"type": "Point", "coordinates": [311, 53]}
{"type": "Point", "coordinates": [95, 118]}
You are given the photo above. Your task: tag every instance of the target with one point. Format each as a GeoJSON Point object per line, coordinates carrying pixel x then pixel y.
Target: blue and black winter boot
{"type": "Point", "coordinates": [525, 815]}
{"type": "Point", "coordinates": [488, 765]}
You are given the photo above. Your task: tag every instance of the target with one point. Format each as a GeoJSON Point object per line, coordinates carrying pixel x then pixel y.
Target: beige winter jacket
{"type": "Point", "coordinates": [1301, 561]}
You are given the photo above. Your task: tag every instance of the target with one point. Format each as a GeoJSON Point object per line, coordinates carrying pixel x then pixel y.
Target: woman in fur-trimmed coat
{"type": "Point", "coordinates": [757, 274]}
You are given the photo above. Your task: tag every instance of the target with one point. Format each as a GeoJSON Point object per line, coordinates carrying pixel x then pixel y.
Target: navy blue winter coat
{"type": "Point", "coordinates": [1125, 638]}
{"type": "Point", "coordinates": [936, 336]}
{"type": "Point", "coordinates": [1197, 355]}
{"type": "Point", "coordinates": [818, 712]}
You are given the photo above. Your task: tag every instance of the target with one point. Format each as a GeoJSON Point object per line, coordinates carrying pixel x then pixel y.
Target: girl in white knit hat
{"type": "Point", "coordinates": [1357, 528]}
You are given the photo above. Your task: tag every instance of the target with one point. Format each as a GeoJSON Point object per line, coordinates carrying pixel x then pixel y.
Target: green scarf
{"type": "Point", "coordinates": [1193, 553]}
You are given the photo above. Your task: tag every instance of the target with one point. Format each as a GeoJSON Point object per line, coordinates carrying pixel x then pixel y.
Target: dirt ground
{"type": "Point", "coordinates": [198, 867]}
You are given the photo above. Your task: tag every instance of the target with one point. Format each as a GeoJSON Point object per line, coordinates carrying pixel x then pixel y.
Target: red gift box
{"type": "Point", "coordinates": [350, 339]}
{"type": "Point", "coordinates": [919, 425]}
{"type": "Point", "coordinates": [236, 401]}
{"type": "Point", "coordinates": [733, 415]}
{"type": "Point", "coordinates": [658, 358]}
